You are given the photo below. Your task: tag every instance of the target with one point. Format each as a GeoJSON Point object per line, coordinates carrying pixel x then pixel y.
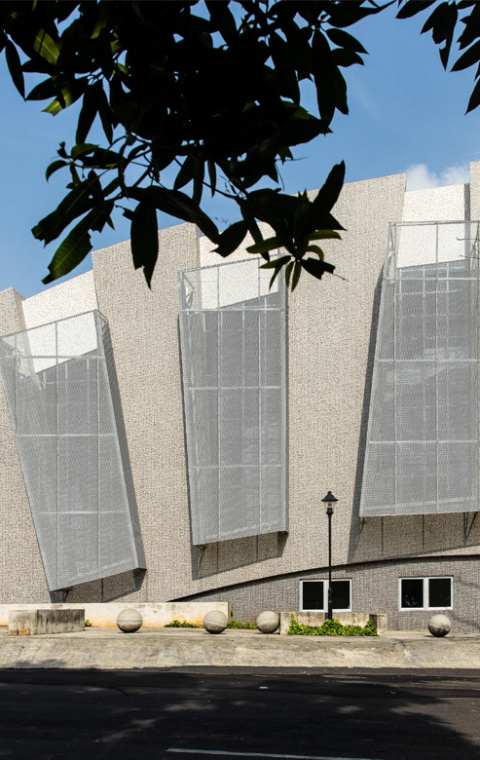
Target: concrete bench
{"type": "Point", "coordinates": [35, 622]}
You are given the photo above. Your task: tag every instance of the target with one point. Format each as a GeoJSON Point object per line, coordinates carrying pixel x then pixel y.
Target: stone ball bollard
{"type": "Point", "coordinates": [215, 621]}
{"type": "Point", "coordinates": [129, 621]}
{"type": "Point", "coordinates": [268, 622]}
{"type": "Point", "coordinates": [439, 625]}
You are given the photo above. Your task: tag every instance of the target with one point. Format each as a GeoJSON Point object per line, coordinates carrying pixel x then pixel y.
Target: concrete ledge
{"type": "Point", "coordinates": [37, 622]}
{"type": "Point", "coordinates": [104, 615]}
{"type": "Point", "coordinates": [97, 648]}
{"type": "Point", "coordinates": [315, 619]}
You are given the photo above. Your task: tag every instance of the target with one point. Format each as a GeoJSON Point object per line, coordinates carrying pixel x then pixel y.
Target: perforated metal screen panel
{"type": "Point", "coordinates": [422, 453]}
{"type": "Point", "coordinates": [233, 347]}
{"type": "Point", "coordinates": [62, 395]}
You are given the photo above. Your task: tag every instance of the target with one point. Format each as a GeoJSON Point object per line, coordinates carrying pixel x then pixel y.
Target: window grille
{"type": "Point", "coordinates": [422, 450]}
{"type": "Point", "coordinates": [63, 401]}
{"type": "Point", "coordinates": [233, 350]}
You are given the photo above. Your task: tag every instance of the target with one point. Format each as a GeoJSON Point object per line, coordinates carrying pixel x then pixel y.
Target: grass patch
{"type": "Point", "coordinates": [184, 624]}
{"type": "Point", "coordinates": [238, 624]}
{"type": "Point", "coordinates": [330, 628]}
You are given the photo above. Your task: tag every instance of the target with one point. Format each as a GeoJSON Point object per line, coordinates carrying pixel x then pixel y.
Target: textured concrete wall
{"type": "Point", "coordinates": [144, 331]}
{"type": "Point", "coordinates": [436, 204]}
{"type": "Point", "coordinates": [65, 300]}
{"type": "Point", "coordinates": [104, 615]}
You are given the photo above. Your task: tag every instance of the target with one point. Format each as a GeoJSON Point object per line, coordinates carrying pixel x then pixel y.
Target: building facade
{"type": "Point", "coordinates": [175, 443]}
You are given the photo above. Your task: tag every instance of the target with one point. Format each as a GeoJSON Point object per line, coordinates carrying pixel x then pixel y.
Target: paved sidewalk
{"type": "Point", "coordinates": [108, 648]}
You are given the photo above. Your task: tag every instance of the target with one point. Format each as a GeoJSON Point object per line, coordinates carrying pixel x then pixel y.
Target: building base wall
{"type": "Point", "coordinates": [375, 590]}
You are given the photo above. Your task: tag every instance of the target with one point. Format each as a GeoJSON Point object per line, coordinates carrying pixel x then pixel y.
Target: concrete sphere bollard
{"type": "Point", "coordinates": [215, 621]}
{"type": "Point", "coordinates": [129, 621]}
{"type": "Point", "coordinates": [439, 625]}
{"type": "Point", "coordinates": [268, 622]}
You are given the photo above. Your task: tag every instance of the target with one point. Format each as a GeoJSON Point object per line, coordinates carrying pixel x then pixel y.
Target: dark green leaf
{"type": "Point", "coordinates": [324, 235]}
{"type": "Point", "coordinates": [328, 194]}
{"type": "Point", "coordinates": [347, 13]}
{"type": "Point", "coordinates": [70, 252]}
{"type": "Point", "coordinates": [472, 26]}
{"type": "Point", "coordinates": [474, 98]}
{"type": "Point", "coordinates": [42, 91]}
{"type": "Point", "coordinates": [288, 272]}
{"type": "Point", "coordinates": [185, 175]}
{"type": "Point", "coordinates": [266, 245]}
{"type": "Point", "coordinates": [470, 57]}
{"type": "Point", "coordinates": [346, 58]}
{"type": "Point", "coordinates": [46, 47]}
{"type": "Point", "coordinates": [442, 23]}
{"type": "Point", "coordinates": [54, 166]}
{"type": "Point", "coordinates": [180, 205]}
{"type": "Point", "coordinates": [317, 267]}
{"type": "Point", "coordinates": [87, 115]}
{"type": "Point", "coordinates": [229, 240]}
{"type": "Point", "coordinates": [316, 249]}
{"type": "Point", "coordinates": [144, 236]}
{"type": "Point", "coordinates": [69, 94]}
{"type": "Point", "coordinates": [15, 67]}
{"type": "Point", "coordinates": [82, 149]}
{"type": "Point", "coordinates": [324, 75]}
{"type": "Point", "coordinates": [412, 7]}
{"type": "Point", "coordinates": [76, 203]}
{"type": "Point", "coordinates": [276, 263]}
{"type": "Point", "coordinates": [105, 113]}
{"type": "Point", "coordinates": [345, 40]}
{"type": "Point", "coordinates": [297, 271]}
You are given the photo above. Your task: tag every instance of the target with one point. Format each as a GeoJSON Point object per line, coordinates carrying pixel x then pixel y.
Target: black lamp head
{"type": "Point", "coordinates": [330, 499]}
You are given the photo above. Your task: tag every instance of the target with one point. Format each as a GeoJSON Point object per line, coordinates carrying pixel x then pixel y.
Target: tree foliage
{"type": "Point", "coordinates": [193, 99]}
{"type": "Point", "coordinates": [444, 22]}
{"type": "Point", "coordinates": [199, 98]}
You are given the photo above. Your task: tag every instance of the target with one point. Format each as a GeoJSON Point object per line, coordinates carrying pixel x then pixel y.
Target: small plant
{"type": "Point", "coordinates": [238, 624]}
{"type": "Point", "coordinates": [87, 623]}
{"type": "Point", "coordinates": [184, 624]}
{"type": "Point", "coordinates": [330, 628]}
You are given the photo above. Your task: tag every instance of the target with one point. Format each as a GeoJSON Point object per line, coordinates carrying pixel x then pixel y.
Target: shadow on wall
{"type": "Point", "coordinates": [377, 538]}
{"type": "Point", "coordinates": [104, 590]}
{"type": "Point", "coordinates": [219, 557]}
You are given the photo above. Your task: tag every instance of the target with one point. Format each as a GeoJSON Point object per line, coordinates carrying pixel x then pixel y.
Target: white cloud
{"type": "Point", "coordinates": [420, 177]}
{"type": "Point", "coordinates": [455, 175]}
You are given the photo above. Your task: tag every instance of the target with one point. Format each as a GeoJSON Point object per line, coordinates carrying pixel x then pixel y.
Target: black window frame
{"type": "Point", "coordinates": [425, 592]}
{"type": "Point", "coordinates": [324, 581]}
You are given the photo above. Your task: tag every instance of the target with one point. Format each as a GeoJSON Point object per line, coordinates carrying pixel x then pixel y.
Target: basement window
{"type": "Point", "coordinates": [425, 593]}
{"type": "Point", "coordinates": [314, 596]}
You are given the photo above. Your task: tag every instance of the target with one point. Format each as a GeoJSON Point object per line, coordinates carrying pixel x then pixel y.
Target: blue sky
{"type": "Point", "coordinates": [406, 115]}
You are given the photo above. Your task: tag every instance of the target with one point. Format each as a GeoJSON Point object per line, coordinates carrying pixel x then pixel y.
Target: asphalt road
{"type": "Point", "coordinates": [244, 714]}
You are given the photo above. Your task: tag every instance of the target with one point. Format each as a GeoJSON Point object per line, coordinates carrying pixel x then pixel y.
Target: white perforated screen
{"type": "Point", "coordinates": [233, 343]}
{"type": "Point", "coordinates": [422, 445]}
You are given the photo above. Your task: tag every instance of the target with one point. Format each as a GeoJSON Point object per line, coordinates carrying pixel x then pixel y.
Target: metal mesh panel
{"type": "Point", "coordinates": [62, 401]}
{"type": "Point", "coordinates": [422, 453]}
{"type": "Point", "coordinates": [233, 344]}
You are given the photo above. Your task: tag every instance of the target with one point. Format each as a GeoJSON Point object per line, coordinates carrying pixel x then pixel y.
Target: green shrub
{"type": "Point", "coordinates": [184, 624]}
{"type": "Point", "coordinates": [238, 624]}
{"type": "Point", "coordinates": [330, 628]}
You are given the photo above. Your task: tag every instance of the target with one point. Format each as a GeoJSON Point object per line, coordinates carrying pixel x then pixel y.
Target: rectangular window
{"type": "Point", "coordinates": [425, 593]}
{"type": "Point", "coordinates": [314, 596]}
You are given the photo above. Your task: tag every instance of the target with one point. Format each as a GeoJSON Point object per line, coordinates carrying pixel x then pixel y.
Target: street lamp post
{"type": "Point", "coordinates": [330, 501]}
